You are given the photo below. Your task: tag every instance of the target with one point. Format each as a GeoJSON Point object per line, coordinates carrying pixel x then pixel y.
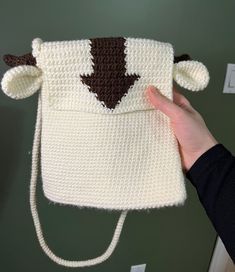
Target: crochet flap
{"type": "Point", "coordinates": [103, 75]}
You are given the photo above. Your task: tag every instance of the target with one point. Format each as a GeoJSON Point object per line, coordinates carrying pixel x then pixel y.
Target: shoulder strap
{"type": "Point", "coordinates": [33, 207]}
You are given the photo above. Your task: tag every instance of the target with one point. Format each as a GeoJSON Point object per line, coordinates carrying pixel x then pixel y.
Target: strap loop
{"type": "Point", "coordinates": [33, 207]}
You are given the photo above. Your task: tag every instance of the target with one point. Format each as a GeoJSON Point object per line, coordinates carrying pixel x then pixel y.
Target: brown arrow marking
{"type": "Point", "coordinates": [109, 81]}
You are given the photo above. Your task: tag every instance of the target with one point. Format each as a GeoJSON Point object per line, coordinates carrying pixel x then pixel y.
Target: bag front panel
{"type": "Point", "coordinates": [93, 155]}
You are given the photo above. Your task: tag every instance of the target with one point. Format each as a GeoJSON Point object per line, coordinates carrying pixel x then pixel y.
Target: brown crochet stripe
{"type": "Point", "coordinates": [109, 81]}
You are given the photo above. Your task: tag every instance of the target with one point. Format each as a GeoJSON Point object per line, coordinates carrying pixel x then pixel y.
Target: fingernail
{"type": "Point", "coordinates": [152, 89]}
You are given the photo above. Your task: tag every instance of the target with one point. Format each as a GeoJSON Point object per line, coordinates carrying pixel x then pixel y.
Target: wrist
{"type": "Point", "coordinates": [190, 158]}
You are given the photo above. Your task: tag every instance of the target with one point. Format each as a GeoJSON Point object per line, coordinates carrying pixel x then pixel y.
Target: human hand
{"type": "Point", "coordinates": [190, 129]}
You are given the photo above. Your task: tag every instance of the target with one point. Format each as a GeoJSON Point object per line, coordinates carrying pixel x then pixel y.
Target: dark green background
{"type": "Point", "coordinates": [170, 239]}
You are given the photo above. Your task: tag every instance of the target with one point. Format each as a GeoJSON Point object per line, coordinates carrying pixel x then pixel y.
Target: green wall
{"type": "Point", "coordinates": [170, 239]}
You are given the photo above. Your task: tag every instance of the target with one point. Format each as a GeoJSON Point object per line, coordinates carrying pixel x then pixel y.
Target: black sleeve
{"type": "Point", "coordinates": [213, 176]}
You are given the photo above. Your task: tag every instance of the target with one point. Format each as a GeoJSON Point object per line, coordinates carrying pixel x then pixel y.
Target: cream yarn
{"type": "Point", "coordinates": [33, 207]}
{"type": "Point", "coordinates": [191, 75]}
{"type": "Point", "coordinates": [22, 81]}
{"type": "Point", "coordinates": [100, 142]}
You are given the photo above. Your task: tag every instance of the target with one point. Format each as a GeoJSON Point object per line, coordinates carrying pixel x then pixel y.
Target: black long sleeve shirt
{"type": "Point", "coordinates": [213, 176]}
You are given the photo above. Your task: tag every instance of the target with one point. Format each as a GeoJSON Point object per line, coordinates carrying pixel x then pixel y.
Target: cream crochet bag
{"type": "Point", "coordinates": [100, 142]}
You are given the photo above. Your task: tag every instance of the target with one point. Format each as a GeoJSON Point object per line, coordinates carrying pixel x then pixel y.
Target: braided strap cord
{"type": "Point", "coordinates": [33, 207]}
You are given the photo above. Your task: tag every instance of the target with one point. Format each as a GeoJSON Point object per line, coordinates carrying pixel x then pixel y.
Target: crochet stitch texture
{"type": "Point", "coordinates": [100, 142]}
{"type": "Point", "coordinates": [91, 155]}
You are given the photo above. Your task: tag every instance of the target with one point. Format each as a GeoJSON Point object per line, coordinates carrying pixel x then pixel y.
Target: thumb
{"type": "Point", "coordinates": [163, 103]}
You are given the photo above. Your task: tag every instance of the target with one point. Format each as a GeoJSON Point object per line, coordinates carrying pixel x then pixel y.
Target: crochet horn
{"type": "Point", "coordinates": [12, 61]}
{"type": "Point", "coordinates": [181, 58]}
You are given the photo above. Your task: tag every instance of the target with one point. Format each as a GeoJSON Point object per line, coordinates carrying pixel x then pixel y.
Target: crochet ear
{"type": "Point", "coordinates": [21, 81]}
{"type": "Point", "coordinates": [191, 75]}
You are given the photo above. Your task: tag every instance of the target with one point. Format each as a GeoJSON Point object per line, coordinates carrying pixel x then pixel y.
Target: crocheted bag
{"type": "Point", "coordinates": [100, 142]}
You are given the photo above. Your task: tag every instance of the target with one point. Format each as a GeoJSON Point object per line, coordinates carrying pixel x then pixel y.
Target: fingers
{"type": "Point", "coordinates": [161, 102]}
{"type": "Point", "coordinates": [182, 101]}
{"type": "Point", "coordinates": [179, 99]}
